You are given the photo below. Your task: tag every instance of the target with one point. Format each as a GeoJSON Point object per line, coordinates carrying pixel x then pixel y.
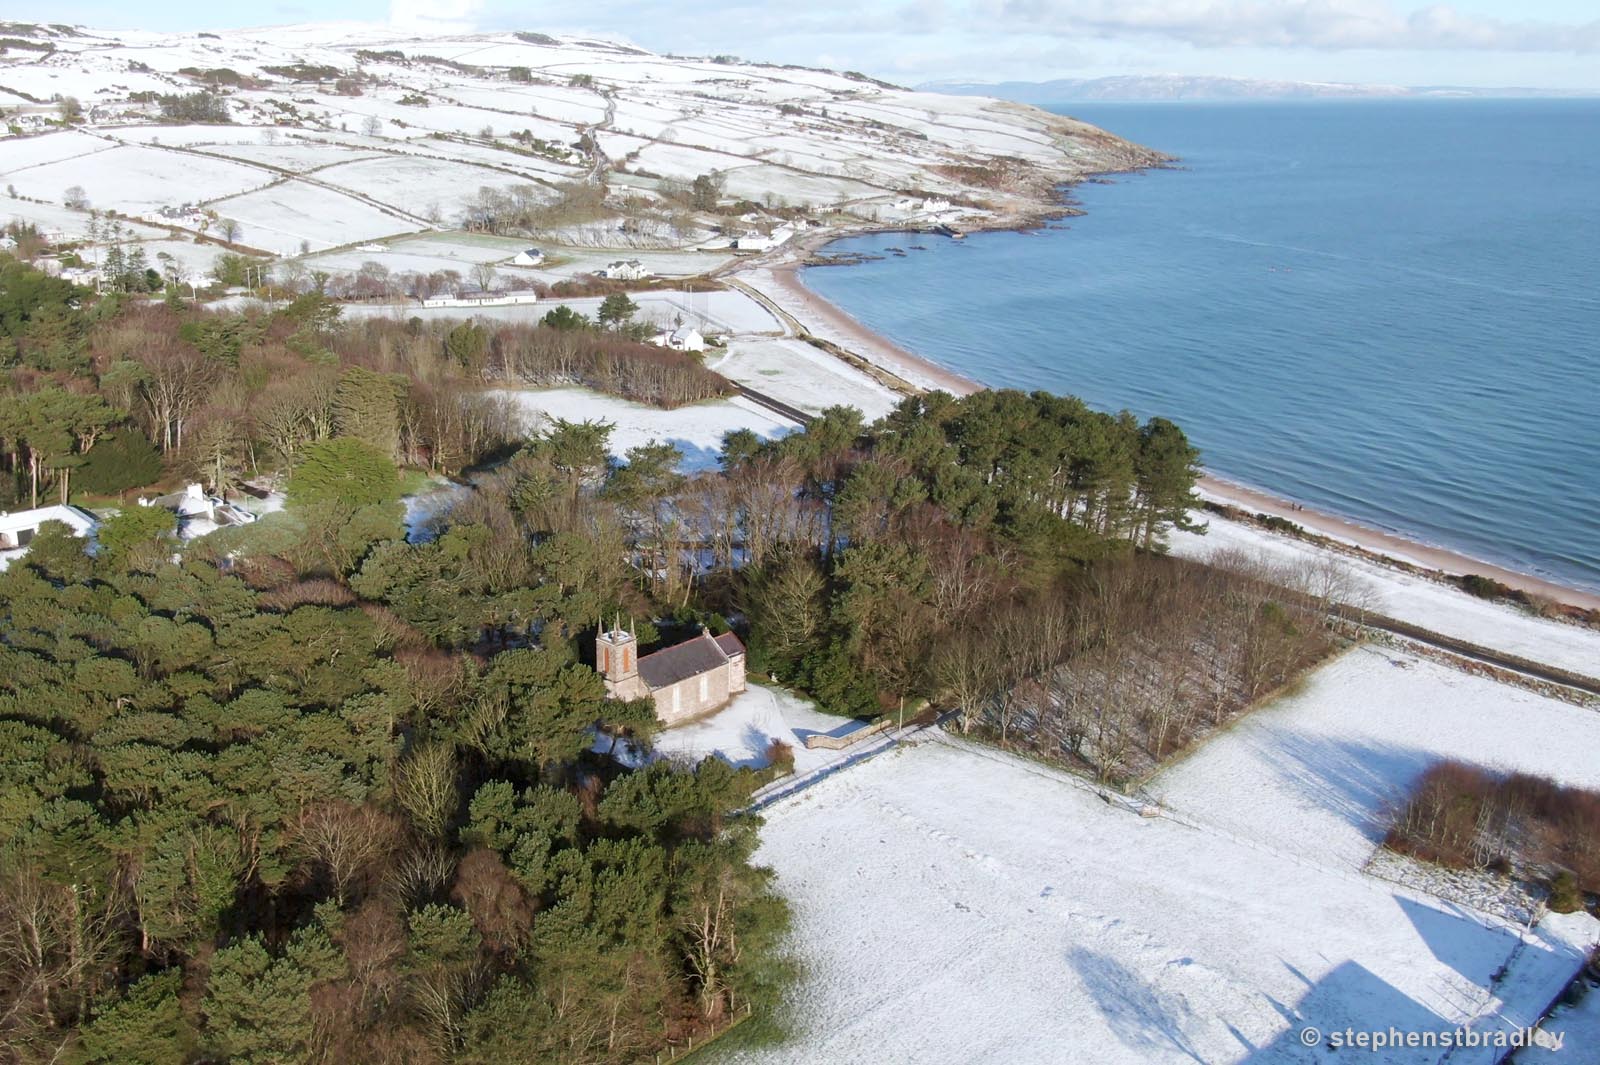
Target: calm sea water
{"type": "Point", "coordinates": [1390, 311]}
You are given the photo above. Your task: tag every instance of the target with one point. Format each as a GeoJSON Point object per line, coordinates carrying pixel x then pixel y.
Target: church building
{"type": "Point", "coordinates": [686, 680]}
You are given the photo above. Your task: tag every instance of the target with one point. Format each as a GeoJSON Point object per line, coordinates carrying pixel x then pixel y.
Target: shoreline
{"type": "Point", "coordinates": [1389, 548]}
{"type": "Point", "coordinates": [779, 282]}
{"type": "Point", "coordinates": [829, 321]}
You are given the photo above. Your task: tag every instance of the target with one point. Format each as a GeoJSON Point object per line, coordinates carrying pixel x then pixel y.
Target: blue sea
{"type": "Point", "coordinates": [1386, 310]}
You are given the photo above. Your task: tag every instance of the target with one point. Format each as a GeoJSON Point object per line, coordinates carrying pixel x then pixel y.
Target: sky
{"type": "Point", "coordinates": [1537, 43]}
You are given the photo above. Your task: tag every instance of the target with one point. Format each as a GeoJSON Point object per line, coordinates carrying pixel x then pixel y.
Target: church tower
{"type": "Point", "coordinates": [616, 657]}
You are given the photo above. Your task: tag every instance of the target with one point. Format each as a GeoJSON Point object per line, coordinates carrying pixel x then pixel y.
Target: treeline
{"type": "Point", "coordinates": [533, 208]}
{"type": "Point", "coordinates": [606, 361]}
{"type": "Point", "coordinates": [220, 397]}
{"type": "Point", "coordinates": [1117, 668]}
{"type": "Point", "coordinates": [290, 808]}
{"type": "Point", "coordinates": [1467, 817]}
{"type": "Point", "coordinates": [861, 554]}
{"type": "Point", "coordinates": [210, 108]}
{"type": "Point", "coordinates": [108, 395]}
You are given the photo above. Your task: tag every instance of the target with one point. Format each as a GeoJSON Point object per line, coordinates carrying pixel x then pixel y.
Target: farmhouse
{"type": "Point", "coordinates": [18, 530]}
{"type": "Point", "coordinates": [686, 680]}
{"type": "Point", "coordinates": [625, 270]}
{"type": "Point", "coordinates": [683, 338]}
{"type": "Point", "coordinates": [528, 257]}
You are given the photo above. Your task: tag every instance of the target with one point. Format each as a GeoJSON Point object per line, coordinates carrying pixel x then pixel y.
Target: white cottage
{"type": "Point", "coordinates": [528, 257]}
{"type": "Point", "coordinates": [683, 338]}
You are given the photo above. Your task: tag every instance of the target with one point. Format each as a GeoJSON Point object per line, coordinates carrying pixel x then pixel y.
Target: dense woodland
{"type": "Point", "coordinates": [102, 396]}
{"type": "Point", "coordinates": [318, 793]}
{"type": "Point", "coordinates": [1129, 663]}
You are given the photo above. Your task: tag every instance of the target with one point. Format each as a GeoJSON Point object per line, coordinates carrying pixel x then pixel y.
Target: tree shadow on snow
{"type": "Point", "coordinates": [696, 457]}
{"type": "Point", "coordinates": [1140, 1015]}
{"type": "Point", "coordinates": [756, 739]}
{"type": "Point", "coordinates": [1359, 782]}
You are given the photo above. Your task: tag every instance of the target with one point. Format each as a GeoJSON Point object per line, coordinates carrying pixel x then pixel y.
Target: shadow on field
{"type": "Point", "coordinates": [1358, 782]}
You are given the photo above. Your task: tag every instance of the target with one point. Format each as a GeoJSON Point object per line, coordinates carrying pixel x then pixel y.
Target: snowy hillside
{"type": "Point", "coordinates": [322, 136]}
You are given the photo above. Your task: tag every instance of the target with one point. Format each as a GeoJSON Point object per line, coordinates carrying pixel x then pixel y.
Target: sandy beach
{"type": "Point", "coordinates": [777, 279]}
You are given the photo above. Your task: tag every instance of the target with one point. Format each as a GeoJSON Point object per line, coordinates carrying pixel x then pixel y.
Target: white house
{"type": "Point", "coordinates": [18, 529]}
{"type": "Point", "coordinates": [625, 270]}
{"type": "Point", "coordinates": [757, 242]}
{"type": "Point", "coordinates": [528, 257]}
{"type": "Point", "coordinates": [683, 338]}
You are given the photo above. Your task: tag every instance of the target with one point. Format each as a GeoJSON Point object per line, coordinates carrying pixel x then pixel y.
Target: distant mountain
{"type": "Point", "coordinates": [1151, 87]}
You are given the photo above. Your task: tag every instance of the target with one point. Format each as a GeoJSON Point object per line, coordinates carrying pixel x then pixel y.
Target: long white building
{"type": "Point", "coordinates": [18, 528]}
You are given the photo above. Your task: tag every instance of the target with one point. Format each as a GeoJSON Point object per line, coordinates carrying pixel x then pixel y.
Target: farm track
{"type": "Point", "coordinates": [1470, 651]}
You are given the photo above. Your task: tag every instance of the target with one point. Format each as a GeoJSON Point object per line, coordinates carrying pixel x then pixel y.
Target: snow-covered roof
{"type": "Point", "coordinates": [80, 521]}
{"type": "Point", "coordinates": [18, 528]}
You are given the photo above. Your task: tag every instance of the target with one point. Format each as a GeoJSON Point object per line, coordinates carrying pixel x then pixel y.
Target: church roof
{"type": "Point", "coordinates": [688, 659]}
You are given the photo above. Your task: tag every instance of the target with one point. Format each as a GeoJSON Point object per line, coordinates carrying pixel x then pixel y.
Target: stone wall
{"type": "Point", "coordinates": [694, 696]}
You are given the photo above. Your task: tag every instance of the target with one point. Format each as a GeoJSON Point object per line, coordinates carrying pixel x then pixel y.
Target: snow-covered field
{"type": "Point", "coordinates": [803, 376]}
{"type": "Point", "coordinates": [23, 153]}
{"type": "Point", "coordinates": [282, 217]}
{"type": "Point", "coordinates": [710, 312]}
{"type": "Point", "coordinates": [51, 218]}
{"type": "Point", "coordinates": [697, 430]}
{"type": "Point", "coordinates": [789, 135]}
{"type": "Point", "coordinates": [137, 180]}
{"type": "Point", "coordinates": [300, 157]}
{"type": "Point", "coordinates": [418, 185]}
{"type": "Point", "coordinates": [1431, 604]}
{"type": "Point", "coordinates": [424, 253]}
{"type": "Point", "coordinates": [1312, 772]}
{"type": "Point", "coordinates": [956, 905]}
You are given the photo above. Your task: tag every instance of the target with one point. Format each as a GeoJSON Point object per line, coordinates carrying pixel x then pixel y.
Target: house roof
{"type": "Point", "coordinates": [688, 659]}
{"type": "Point", "coordinates": [77, 519]}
